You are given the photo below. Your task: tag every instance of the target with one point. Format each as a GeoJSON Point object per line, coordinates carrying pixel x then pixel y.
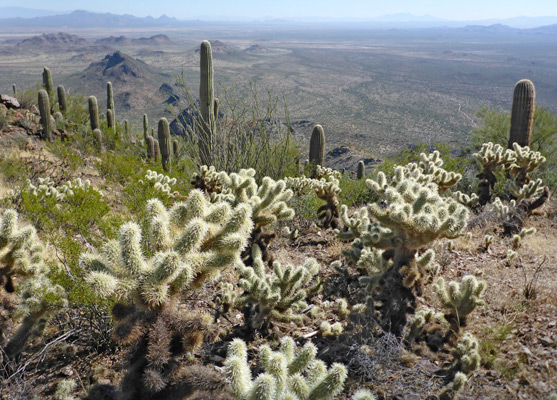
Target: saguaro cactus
{"type": "Point", "coordinates": [44, 108]}
{"type": "Point", "coordinates": [14, 88]}
{"type": "Point", "coordinates": [317, 146]}
{"type": "Point", "coordinates": [207, 104]}
{"type": "Point", "coordinates": [94, 113]}
{"type": "Point", "coordinates": [175, 147]}
{"type": "Point", "coordinates": [157, 150]}
{"type": "Point", "coordinates": [110, 118]}
{"type": "Point", "coordinates": [62, 99]}
{"type": "Point", "coordinates": [47, 81]}
{"type": "Point", "coordinates": [150, 142]}
{"type": "Point", "coordinates": [361, 170]}
{"type": "Point", "coordinates": [145, 126]}
{"type": "Point", "coordinates": [110, 99]}
{"type": "Point", "coordinates": [98, 139]}
{"type": "Point", "coordinates": [522, 115]}
{"type": "Point", "coordinates": [164, 143]}
{"type": "Point", "coordinates": [126, 127]}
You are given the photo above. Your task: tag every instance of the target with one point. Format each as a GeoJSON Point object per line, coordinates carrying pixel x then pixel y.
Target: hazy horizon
{"type": "Point", "coordinates": [449, 10]}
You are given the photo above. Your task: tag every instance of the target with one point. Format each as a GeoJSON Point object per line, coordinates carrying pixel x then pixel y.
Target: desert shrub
{"type": "Point", "coordinates": [251, 132]}
{"type": "Point", "coordinates": [354, 192]}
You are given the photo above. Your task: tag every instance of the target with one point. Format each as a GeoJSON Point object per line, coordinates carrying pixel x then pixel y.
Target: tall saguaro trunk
{"type": "Point", "coordinates": [207, 99]}
{"type": "Point", "coordinates": [164, 143]}
{"type": "Point", "coordinates": [522, 115]}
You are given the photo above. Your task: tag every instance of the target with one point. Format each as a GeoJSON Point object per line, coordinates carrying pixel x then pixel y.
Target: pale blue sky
{"type": "Point", "coordinates": [361, 9]}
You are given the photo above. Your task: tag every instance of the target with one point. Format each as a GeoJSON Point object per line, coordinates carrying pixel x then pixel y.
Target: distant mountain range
{"type": "Point", "coordinates": [86, 19]}
{"type": "Point", "coordinates": [17, 17]}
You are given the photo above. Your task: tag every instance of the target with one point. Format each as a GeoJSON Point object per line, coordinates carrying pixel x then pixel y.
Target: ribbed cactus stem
{"type": "Point", "coordinates": [207, 104]}
{"type": "Point", "coordinates": [317, 146]}
{"type": "Point", "coordinates": [156, 150]}
{"type": "Point", "coordinates": [522, 115]}
{"type": "Point", "coordinates": [44, 108]}
{"type": "Point", "coordinates": [94, 113]}
{"type": "Point", "coordinates": [361, 172]}
{"type": "Point", "coordinates": [126, 127]}
{"type": "Point", "coordinates": [98, 139]}
{"type": "Point", "coordinates": [164, 143]}
{"type": "Point", "coordinates": [145, 127]}
{"type": "Point", "coordinates": [110, 118]}
{"type": "Point", "coordinates": [62, 99]}
{"type": "Point", "coordinates": [47, 81]}
{"type": "Point", "coordinates": [150, 142]}
{"type": "Point", "coordinates": [110, 99]}
{"type": "Point", "coordinates": [175, 147]}
{"type": "Point", "coordinates": [14, 88]}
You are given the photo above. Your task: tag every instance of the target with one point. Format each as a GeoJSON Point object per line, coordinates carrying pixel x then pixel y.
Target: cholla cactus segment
{"type": "Point", "coordinates": [21, 252]}
{"type": "Point", "coordinates": [419, 321]}
{"type": "Point", "coordinates": [23, 255]}
{"type": "Point", "coordinates": [517, 239]}
{"type": "Point", "coordinates": [325, 173]}
{"type": "Point", "coordinates": [375, 265]}
{"type": "Point", "coordinates": [457, 384]}
{"type": "Point", "coordinates": [207, 179]}
{"type": "Point", "coordinates": [503, 211]}
{"type": "Point", "coordinates": [511, 255]}
{"type": "Point", "coordinates": [415, 214]}
{"type": "Point", "coordinates": [191, 241]}
{"type": "Point", "coordinates": [528, 192]}
{"type": "Point", "coordinates": [494, 157]}
{"type": "Point", "coordinates": [280, 294]}
{"type": "Point", "coordinates": [64, 389]}
{"type": "Point", "coordinates": [466, 354]}
{"type": "Point", "coordinates": [38, 295]}
{"type": "Point", "coordinates": [290, 373]}
{"type": "Point", "coordinates": [327, 329]}
{"type": "Point", "coordinates": [356, 225]}
{"type": "Point", "coordinates": [326, 188]}
{"type": "Point", "coordinates": [47, 188]}
{"type": "Point", "coordinates": [268, 200]}
{"type": "Point", "coordinates": [471, 201]}
{"type": "Point", "coordinates": [363, 394]}
{"type": "Point", "coordinates": [430, 165]}
{"type": "Point", "coordinates": [525, 161]}
{"type": "Point", "coordinates": [161, 182]}
{"type": "Point", "coordinates": [460, 299]}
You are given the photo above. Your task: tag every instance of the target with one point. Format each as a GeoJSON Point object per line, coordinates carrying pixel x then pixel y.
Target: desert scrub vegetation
{"type": "Point", "coordinates": [130, 269]}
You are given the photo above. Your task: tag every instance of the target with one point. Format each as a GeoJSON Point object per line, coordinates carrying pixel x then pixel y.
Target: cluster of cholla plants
{"type": "Point", "coordinates": [23, 270]}
{"type": "Point", "coordinates": [160, 182]}
{"type": "Point", "coordinates": [326, 186]}
{"type": "Point", "coordinates": [290, 374]}
{"type": "Point", "coordinates": [179, 249]}
{"type": "Point", "coordinates": [157, 271]}
{"type": "Point", "coordinates": [46, 187]}
{"type": "Point", "coordinates": [412, 214]}
{"type": "Point", "coordinates": [466, 359]}
{"type": "Point", "coordinates": [279, 295]}
{"type": "Point", "coordinates": [460, 300]}
{"type": "Point", "coordinates": [267, 200]}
